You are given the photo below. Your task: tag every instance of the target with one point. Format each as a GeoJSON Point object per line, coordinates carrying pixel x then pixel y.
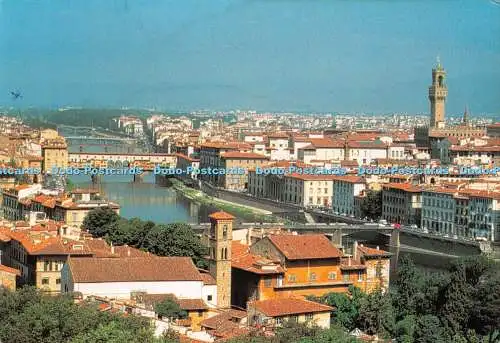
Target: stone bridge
{"type": "Point", "coordinates": [120, 160]}
{"type": "Point", "coordinates": [334, 230]}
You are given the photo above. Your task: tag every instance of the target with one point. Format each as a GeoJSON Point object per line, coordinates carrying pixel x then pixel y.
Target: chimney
{"type": "Point", "coordinates": [378, 248]}
{"type": "Point", "coordinates": [112, 248]}
{"type": "Point", "coordinates": [128, 251]}
{"type": "Point", "coordinates": [355, 250]}
{"type": "Point", "coordinates": [349, 261]}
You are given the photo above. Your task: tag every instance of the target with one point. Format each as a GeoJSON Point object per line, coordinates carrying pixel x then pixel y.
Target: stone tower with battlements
{"type": "Point", "coordinates": [218, 239]}
{"type": "Point", "coordinates": [437, 96]}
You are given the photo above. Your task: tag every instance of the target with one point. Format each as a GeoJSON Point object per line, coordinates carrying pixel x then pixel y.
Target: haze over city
{"type": "Point", "coordinates": [338, 56]}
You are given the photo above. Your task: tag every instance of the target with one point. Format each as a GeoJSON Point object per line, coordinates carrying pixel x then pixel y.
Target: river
{"type": "Point", "coordinates": [147, 200]}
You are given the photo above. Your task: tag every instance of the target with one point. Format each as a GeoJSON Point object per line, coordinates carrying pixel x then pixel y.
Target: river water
{"type": "Point", "coordinates": [147, 200]}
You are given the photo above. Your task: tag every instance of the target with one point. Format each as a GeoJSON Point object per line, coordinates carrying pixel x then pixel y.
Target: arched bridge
{"type": "Point", "coordinates": [121, 160]}
{"type": "Point", "coordinates": [335, 230]}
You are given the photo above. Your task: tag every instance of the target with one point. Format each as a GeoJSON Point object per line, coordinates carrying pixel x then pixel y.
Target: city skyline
{"type": "Point", "coordinates": [250, 55]}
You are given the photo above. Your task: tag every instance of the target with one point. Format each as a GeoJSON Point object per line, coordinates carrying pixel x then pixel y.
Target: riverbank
{"type": "Point", "coordinates": [246, 213]}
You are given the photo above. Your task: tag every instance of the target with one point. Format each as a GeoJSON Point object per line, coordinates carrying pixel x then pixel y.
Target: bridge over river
{"type": "Point", "coordinates": [334, 230]}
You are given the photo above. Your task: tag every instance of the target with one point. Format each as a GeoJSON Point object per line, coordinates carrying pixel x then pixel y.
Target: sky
{"type": "Point", "coordinates": [372, 56]}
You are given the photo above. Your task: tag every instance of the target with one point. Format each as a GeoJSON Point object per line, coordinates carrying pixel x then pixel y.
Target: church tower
{"type": "Point", "coordinates": [437, 96]}
{"type": "Point", "coordinates": [219, 238]}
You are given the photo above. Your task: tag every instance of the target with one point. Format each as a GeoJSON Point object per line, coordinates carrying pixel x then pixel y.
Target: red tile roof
{"type": "Point", "coordinates": [221, 215]}
{"type": "Point", "coordinates": [207, 278]}
{"type": "Point", "coordinates": [288, 306]}
{"type": "Point", "coordinates": [9, 270]}
{"type": "Point", "coordinates": [243, 155]}
{"type": "Point", "coordinates": [223, 326]}
{"type": "Point", "coordinates": [133, 269]}
{"type": "Point", "coordinates": [407, 187]}
{"type": "Point", "coordinates": [305, 247]}
{"type": "Point", "coordinates": [371, 252]}
{"type": "Point", "coordinates": [242, 258]}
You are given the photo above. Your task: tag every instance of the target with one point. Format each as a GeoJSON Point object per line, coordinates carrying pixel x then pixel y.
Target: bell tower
{"type": "Point", "coordinates": [219, 238]}
{"type": "Point", "coordinates": [437, 96]}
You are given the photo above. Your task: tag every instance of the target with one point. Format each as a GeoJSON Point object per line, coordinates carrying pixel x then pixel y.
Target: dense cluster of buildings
{"type": "Point", "coordinates": [256, 278]}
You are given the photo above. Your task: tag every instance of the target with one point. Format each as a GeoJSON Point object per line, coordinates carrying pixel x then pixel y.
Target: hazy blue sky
{"type": "Point", "coordinates": [344, 55]}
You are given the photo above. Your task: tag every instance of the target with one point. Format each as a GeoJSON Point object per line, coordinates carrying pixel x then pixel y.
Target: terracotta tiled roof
{"type": "Point", "coordinates": [133, 269]}
{"type": "Point", "coordinates": [326, 143]}
{"type": "Point", "coordinates": [226, 145]}
{"type": "Point", "coordinates": [192, 304]}
{"type": "Point", "coordinates": [9, 270]}
{"type": "Point", "coordinates": [207, 278]}
{"type": "Point", "coordinates": [244, 155]}
{"type": "Point", "coordinates": [288, 306]}
{"type": "Point", "coordinates": [222, 325]}
{"type": "Point", "coordinates": [221, 215]}
{"type": "Point", "coordinates": [42, 244]}
{"type": "Point", "coordinates": [407, 187]}
{"type": "Point", "coordinates": [305, 247]}
{"type": "Point", "coordinates": [371, 252]}
{"type": "Point", "coordinates": [242, 258]}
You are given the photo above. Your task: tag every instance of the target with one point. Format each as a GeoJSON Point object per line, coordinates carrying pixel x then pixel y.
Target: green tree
{"type": "Point", "coordinates": [430, 330]}
{"type": "Point", "coordinates": [99, 221]}
{"type": "Point", "coordinates": [28, 316]}
{"type": "Point", "coordinates": [409, 287]}
{"type": "Point", "coordinates": [376, 314]}
{"type": "Point", "coordinates": [170, 309]}
{"type": "Point", "coordinates": [176, 239]}
{"type": "Point", "coordinates": [485, 317]}
{"type": "Point", "coordinates": [113, 332]}
{"type": "Point", "coordinates": [405, 329]}
{"type": "Point", "coordinates": [457, 302]}
{"type": "Point", "coordinates": [371, 206]}
{"type": "Point", "coordinates": [346, 306]}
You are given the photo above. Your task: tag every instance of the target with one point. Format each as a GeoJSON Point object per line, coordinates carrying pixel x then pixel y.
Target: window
{"type": "Point", "coordinates": [309, 316]}
{"type": "Point", "coordinates": [279, 321]}
{"type": "Point", "coordinates": [279, 281]}
{"type": "Point", "coordinates": [360, 275]}
{"type": "Point", "coordinates": [294, 319]}
{"type": "Point", "coordinates": [45, 281]}
{"type": "Point", "coordinates": [267, 282]}
{"type": "Point", "coordinates": [209, 297]}
{"type": "Point", "coordinates": [224, 231]}
{"type": "Point", "coordinates": [200, 313]}
{"type": "Point", "coordinates": [312, 277]}
{"type": "Point", "coordinates": [292, 278]}
{"type": "Point", "coordinates": [58, 281]}
{"type": "Point", "coordinates": [46, 266]}
{"type": "Point", "coordinates": [332, 276]}
{"type": "Point", "coordinates": [346, 277]}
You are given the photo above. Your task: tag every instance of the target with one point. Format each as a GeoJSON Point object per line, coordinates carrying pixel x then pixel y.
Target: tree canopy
{"type": "Point", "coordinates": [176, 239]}
{"type": "Point", "coordinates": [170, 309]}
{"type": "Point", "coordinates": [371, 206]}
{"type": "Point", "coordinates": [28, 316]}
